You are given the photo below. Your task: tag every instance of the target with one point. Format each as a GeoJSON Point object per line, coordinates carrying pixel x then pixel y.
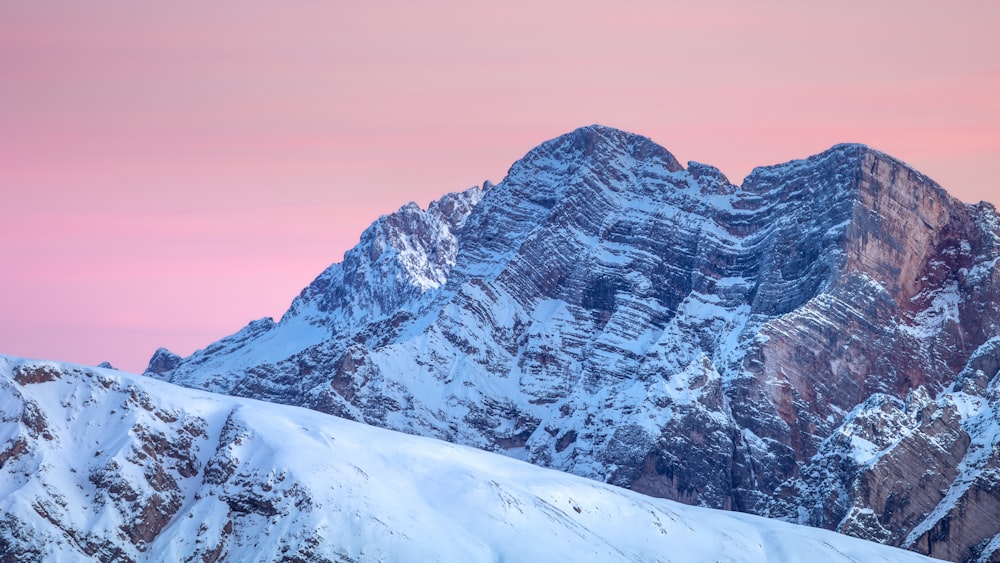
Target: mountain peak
{"type": "Point", "coordinates": [606, 312]}
{"type": "Point", "coordinates": [602, 143]}
{"type": "Point", "coordinates": [163, 361]}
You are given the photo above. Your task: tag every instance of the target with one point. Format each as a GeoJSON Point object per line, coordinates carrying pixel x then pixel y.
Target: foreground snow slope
{"type": "Point", "coordinates": [99, 464]}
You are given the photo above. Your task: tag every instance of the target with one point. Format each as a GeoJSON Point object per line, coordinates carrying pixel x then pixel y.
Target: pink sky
{"type": "Point", "coordinates": [171, 171]}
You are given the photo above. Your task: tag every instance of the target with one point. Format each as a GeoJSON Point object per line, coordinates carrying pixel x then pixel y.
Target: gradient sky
{"type": "Point", "coordinates": [172, 170]}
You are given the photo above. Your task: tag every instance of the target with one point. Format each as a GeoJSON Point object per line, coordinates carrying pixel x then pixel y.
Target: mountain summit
{"type": "Point", "coordinates": [817, 344]}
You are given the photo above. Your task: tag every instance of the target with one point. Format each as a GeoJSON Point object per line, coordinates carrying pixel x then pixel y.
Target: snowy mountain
{"type": "Point", "coordinates": [101, 465]}
{"type": "Point", "coordinates": [817, 345]}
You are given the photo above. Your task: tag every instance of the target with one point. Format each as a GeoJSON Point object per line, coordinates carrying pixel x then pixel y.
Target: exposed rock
{"type": "Point", "coordinates": [163, 361]}
{"type": "Point", "coordinates": [27, 375]}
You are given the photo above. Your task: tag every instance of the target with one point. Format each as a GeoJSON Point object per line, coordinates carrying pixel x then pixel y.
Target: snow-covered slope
{"type": "Point", "coordinates": [401, 259]}
{"type": "Point", "coordinates": [101, 465]}
{"type": "Point", "coordinates": [607, 312]}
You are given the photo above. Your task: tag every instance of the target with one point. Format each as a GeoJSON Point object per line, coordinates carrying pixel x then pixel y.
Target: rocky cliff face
{"type": "Point", "coordinates": [920, 472]}
{"type": "Point", "coordinates": [607, 312]}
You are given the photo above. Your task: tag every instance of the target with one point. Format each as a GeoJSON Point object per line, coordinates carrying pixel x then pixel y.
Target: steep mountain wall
{"type": "Point", "coordinates": [607, 312]}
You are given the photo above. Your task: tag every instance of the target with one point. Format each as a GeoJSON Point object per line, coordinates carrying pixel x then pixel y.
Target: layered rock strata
{"type": "Point", "coordinates": [608, 312]}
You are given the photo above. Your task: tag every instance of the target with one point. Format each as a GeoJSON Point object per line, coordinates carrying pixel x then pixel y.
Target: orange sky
{"type": "Point", "coordinates": [171, 171]}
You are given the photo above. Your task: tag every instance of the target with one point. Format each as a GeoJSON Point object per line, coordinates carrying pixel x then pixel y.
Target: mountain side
{"type": "Point", "coordinates": [610, 313]}
{"type": "Point", "coordinates": [103, 465]}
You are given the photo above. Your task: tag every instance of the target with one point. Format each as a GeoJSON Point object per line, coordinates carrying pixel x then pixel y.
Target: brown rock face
{"type": "Point", "coordinates": [903, 486]}
{"type": "Point", "coordinates": [921, 473]}
{"type": "Point", "coordinates": [957, 535]}
{"type": "Point", "coordinates": [903, 311]}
